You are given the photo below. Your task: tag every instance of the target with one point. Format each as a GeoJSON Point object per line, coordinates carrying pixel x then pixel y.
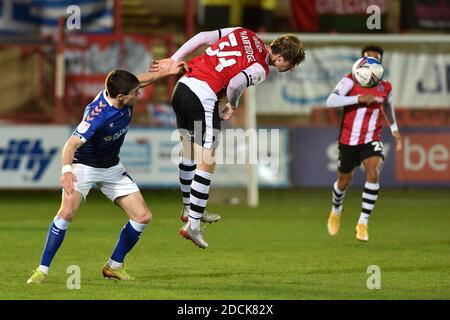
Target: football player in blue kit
{"type": "Point", "coordinates": [91, 156]}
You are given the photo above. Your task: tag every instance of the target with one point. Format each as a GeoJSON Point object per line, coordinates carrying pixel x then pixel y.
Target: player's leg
{"type": "Point", "coordinates": [120, 188]}
{"type": "Point", "coordinates": [346, 164]}
{"type": "Point", "coordinates": [372, 166]}
{"type": "Point", "coordinates": [140, 216]}
{"type": "Point", "coordinates": [188, 108]}
{"type": "Point", "coordinates": [66, 213]}
{"type": "Point", "coordinates": [182, 101]}
{"type": "Point", "coordinates": [56, 233]}
{"type": "Point", "coordinates": [338, 195]}
{"type": "Point", "coordinates": [187, 167]}
{"type": "Point", "coordinates": [199, 194]}
{"type": "Point", "coordinates": [339, 187]}
{"type": "Point", "coordinates": [186, 171]}
{"type": "Point", "coordinates": [206, 138]}
{"type": "Point", "coordinates": [204, 155]}
{"type": "Point", "coordinates": [201, 183]}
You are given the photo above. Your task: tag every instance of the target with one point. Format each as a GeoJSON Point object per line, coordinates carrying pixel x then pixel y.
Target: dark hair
{"type": "Point", "coordinates": [372, 48]}
{"type": "Point", "coordinates": [120, 82]}
{"type": "Point", "coordinates": [289, 47]}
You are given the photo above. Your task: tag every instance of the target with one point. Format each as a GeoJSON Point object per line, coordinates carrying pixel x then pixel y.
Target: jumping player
{"type": "Point", "coordinates": [236, 59]}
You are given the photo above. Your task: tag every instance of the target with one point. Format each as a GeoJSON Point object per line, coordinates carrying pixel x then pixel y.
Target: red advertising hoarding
{"type": "Point", "coordinates": [425, 157]}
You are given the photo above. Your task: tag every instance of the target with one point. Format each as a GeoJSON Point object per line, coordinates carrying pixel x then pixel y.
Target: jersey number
{"type": "Point", "coordinates": [377, 146]}
{"type": "Point", "coordinates": [223, 62]}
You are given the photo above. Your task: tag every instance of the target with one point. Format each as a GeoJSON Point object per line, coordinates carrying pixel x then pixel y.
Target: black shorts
{"type": "Point", "coordinates": [199, 120]}
{"type": "Point", "coordinates": [352, 156]}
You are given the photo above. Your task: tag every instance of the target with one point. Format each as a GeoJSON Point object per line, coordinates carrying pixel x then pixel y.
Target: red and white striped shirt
{"type": "Point", "coordinates": [362, 124]}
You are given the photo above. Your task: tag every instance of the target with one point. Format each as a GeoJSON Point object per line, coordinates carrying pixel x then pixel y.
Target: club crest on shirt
{"type": "Point", "coordinates": [83, 127]}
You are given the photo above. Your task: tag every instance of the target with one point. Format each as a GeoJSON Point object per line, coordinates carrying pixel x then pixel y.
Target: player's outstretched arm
{"type": "Point", "coordinates": [67, 177]}
{"type": "Point", "coordinates": [147, 78]}
{"type": "Point", "coordinates": [197, 41]}
{"type": "Point", "coordinates": [200, 39]}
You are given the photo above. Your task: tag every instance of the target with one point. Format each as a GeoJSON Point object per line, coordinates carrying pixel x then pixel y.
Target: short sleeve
{"type": "Point", "coordinates": [92, 120]}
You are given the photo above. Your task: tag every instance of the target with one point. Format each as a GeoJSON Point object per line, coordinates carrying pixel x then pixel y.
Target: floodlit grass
{"type": "Point", "coordinates": [280, 250]}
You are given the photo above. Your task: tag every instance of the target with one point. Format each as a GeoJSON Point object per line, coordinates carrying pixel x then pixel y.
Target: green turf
{"type": "Point", "coordinates": [279, 251]}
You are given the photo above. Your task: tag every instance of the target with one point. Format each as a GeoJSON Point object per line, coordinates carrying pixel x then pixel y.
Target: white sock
{"type": "Point", "coordinates": [338, 199]}
{"type": "Point", "coordinates": [199, 197]}
{"type": "Point", "coordinates": [186, 172]}
{"type": "Point", "coordinates": [60, 223]}
{"type": "Point", "coordinates": [44, 269]}
{"type": "Point", "coordinates": [338, 210]}
{"type": "Point", "coordinates": [364, 218]}
{"type": "Point", "coordinates": [114, 265]}
{"type": "Point", "coordinates": [369, 196]}
{"type": "Point", "coordinates": [139, 227]}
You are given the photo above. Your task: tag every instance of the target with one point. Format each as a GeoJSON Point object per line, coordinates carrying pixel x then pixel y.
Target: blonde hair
{"type": "Point", "coordinates": [289, 47]}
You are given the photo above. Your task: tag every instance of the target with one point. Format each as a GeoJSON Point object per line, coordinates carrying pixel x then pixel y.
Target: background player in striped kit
{"type": "Point", "coordinates": [359, 141]}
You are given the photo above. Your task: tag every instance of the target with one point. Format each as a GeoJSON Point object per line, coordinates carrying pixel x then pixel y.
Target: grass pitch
{"type": "Point", "coordinates": [280, 250]}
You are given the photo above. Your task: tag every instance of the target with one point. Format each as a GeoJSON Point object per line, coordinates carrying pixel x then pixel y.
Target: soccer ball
{"type": "Point", "coordinates": [367, 72]}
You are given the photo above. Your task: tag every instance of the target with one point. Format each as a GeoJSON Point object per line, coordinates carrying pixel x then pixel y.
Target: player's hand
{"type": "Point", "coordinates": [161, 65]}
{"type": "Point", "coordinates": [366, 98]}
{"type": "Point", "coordinates": [227, 112]}
{"type": "Point", "coordinates": [177, 67]}
{"type": "Point", "coordinates": [398, 140]}
{"type": "Point", "coordinates": [67, 182]}
{"type": "Point", "coordinates": [167, 66]}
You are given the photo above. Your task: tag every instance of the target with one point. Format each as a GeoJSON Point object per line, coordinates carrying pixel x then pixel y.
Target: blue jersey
{"type": "Point", "coordinates": [102, 130]}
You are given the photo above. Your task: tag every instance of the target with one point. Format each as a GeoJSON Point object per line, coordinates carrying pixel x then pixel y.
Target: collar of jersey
{"type": "Point", "coordinates": [108, 101]}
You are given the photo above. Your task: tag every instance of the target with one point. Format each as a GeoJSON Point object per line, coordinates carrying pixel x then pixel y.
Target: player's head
{"type": "Point", "coordinates": [122, 85]}
{"type": "Point", "coordinates": [286, 52]}
{"type": "Point", "coordinates": [372, 51]}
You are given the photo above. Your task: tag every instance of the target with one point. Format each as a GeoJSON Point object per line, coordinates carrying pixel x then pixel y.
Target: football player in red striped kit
{"type": "Point", "coordinates": [360, 141]}
{"type": "Point", "coordinates": [236, 59]}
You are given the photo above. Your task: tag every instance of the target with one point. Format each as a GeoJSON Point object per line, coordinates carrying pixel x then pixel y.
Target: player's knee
{"type": "Point", "coordinates": [66, 213]}
{"type": "Point", "coordinates": [207, 167]}
{"type": "Point", "coordinates": [145, 217]}
{"type": "Point", "coordinates": [344, 182]}
{"type": "Point", "coordinates": [373, 176]}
